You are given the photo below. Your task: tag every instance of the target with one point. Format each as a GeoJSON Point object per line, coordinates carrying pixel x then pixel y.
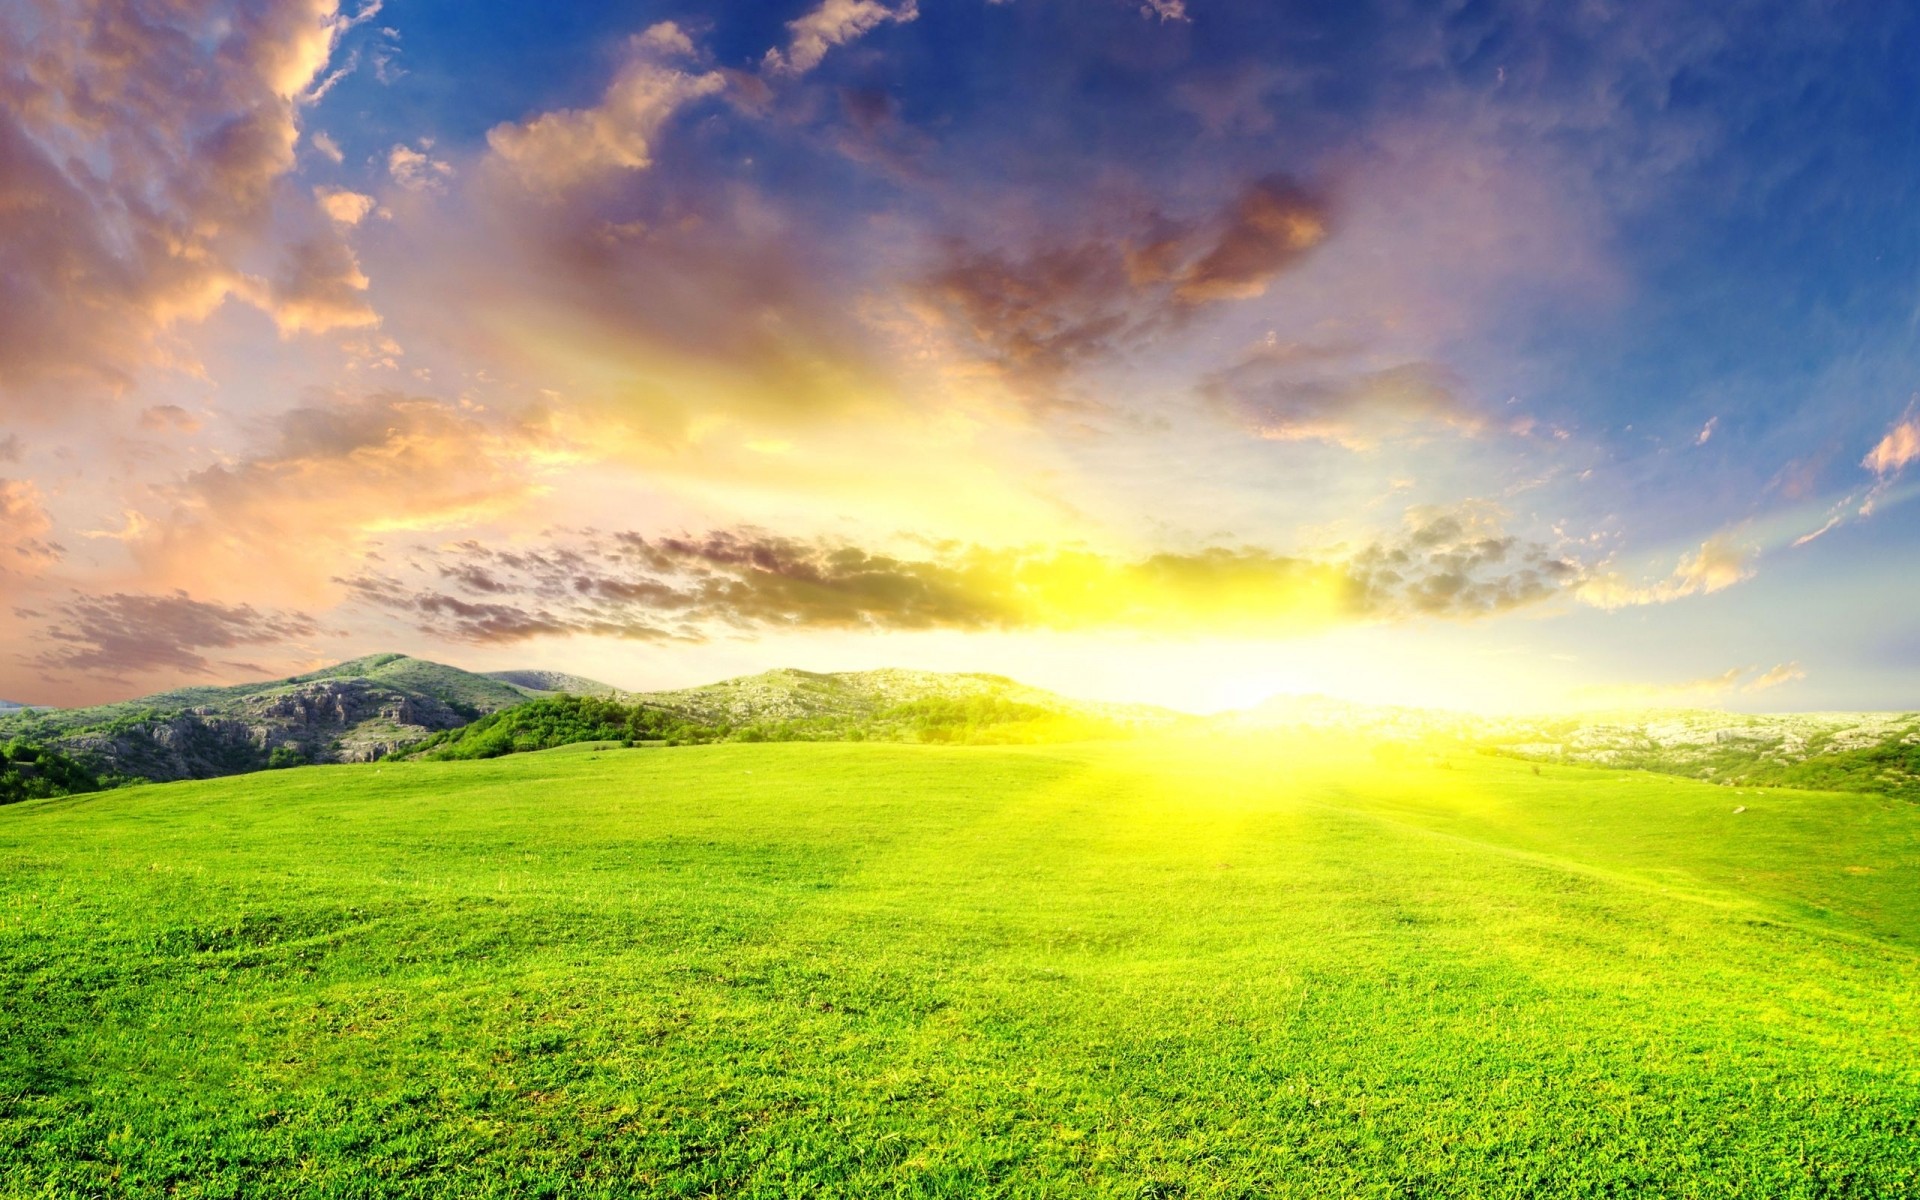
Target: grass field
{"type": "Point", "coordinates": [1201, 967]}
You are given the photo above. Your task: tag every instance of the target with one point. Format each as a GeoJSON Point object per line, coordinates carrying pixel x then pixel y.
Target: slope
{"type": "Point", "coordinates": [787, 705]}
{"type": "Point", "coordinates": [353, 711]}
{"type": "Point", "coordinates": [790, 695]}
{"type": "Point", "coordinates": [555, 683]}
{"type": "Point", "coordinates": [1206, 966]}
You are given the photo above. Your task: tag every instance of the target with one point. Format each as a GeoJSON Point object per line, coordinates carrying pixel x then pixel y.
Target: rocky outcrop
{"type": "Point", "coordinates": [336, 715]}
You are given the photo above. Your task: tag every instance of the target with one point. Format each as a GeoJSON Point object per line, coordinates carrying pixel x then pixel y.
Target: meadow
{"type": "Point", "coordinates": [1200, 965]}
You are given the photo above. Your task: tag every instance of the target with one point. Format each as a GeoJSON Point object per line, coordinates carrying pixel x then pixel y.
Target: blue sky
{"type": "Point", "coordinates": [1484, 354]}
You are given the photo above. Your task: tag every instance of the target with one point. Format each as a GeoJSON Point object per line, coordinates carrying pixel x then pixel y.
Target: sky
{"type": "Point", "coordinates": [1501, 356]}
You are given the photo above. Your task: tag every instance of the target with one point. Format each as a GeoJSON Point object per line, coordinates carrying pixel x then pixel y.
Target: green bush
{"type": "Point", "coordinates": [30, 772]}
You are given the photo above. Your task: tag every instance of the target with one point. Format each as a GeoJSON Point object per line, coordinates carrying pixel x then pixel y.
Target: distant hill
{"type": "Point", "coordinates": [555, 683]}
{"type": "Point", "coordinates": [789, 695]}
{"type": "Point", "coordinates": [355, 711]}
{"type": "Point", "coordinates": [1828, 751]}
{"type": "Point", "coordinates": [788, 705]}
{"type": "Point", "coordinates": [1836, 751]}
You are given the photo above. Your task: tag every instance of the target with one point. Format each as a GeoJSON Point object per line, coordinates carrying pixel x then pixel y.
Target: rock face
{"type": "Point", "coordinates": [355, 712]}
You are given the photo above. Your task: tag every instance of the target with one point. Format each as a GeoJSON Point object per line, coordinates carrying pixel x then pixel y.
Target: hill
{"type": "Point", "coordinates": [354, 711]}
{"type": "Point", "coordinates": [1868, 752]}
{"type": "Point", "coordinates": [555, 683]}
{"type": "Point", "coordinates": [1202, 966]}
{"type": "Point", "coordinates": [28, 772]}
{"type": "Point", "coordinates": [789, 705]}
{"type": "Point", "coordinates": [1842, 751]}
{"type": "Point", "coordinates": [859, 696]}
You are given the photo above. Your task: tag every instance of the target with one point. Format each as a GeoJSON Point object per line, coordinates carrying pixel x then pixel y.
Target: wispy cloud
{"type": "Point", "coordinates": [119, 635]}
{"type": "Point", "coordinates": [833, 23]}
{"type": "Point", "coordinates": [1720, 563]}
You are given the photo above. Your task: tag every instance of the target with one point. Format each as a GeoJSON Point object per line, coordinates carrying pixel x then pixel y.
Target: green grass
{"type": "Point", "coordinates": [1173, 968]}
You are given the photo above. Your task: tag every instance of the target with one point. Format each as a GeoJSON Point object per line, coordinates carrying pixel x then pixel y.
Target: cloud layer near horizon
{"type": "Point", "coordinates": [1446, 565]}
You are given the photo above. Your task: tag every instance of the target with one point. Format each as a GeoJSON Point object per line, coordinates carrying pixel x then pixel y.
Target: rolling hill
{"type": "Point", "coordinates": [352, 712]}
{"type": "Point", "coordinates": [1200, 965]}
{"type": "Point", "coordinates": [555, 683]}
{"type": "Point", "coordinates": [788, 705]}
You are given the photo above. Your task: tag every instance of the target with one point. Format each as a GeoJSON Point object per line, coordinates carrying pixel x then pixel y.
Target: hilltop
{"type": "Point", "coordinates": [804, 706]}
{"type": "Point", "coordinates": [354, 711]}
{"type": "Point", "coordinates": [555, 683]}
{"type": "Point", "coordinates": [790, 695]}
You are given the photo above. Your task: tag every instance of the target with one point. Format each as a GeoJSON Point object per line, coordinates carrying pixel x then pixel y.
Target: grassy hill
{"type": "Point", "coordinates": [864, 696]}
{"type": "Point", "coordinates": [1866, 751]}
{"type": "Point", "coordinates": [1180, 966]}
{"type": "Point", "coordinates": [555, 683]}
{"type": "Point", "coordinates": [354, 711]}
{"type": "Point", "coordinates": [787, 706]}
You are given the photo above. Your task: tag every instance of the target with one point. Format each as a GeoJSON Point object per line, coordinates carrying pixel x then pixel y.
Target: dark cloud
{"type": "Point", "coordinates": [1456, 565]}
{"type": "Point", "coordinates": [1037, 317]}
{"type": "Point", "coordinates": [1443, 564]}
{"type": "Point", "coordinates": [118, 635]}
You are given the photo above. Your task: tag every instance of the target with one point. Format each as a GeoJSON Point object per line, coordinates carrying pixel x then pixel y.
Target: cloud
{"type": "Point", "coordinates": [1706, 431]}
{"type": "Point", "coordinates": [1272, 225]}
{"type": "Point", "coordinates": [1893, 452]}
{"type": "Point", "coordinates": [834, 23]}
{"type": "Point", "coordinates": [141, 148]}
{"type": "Point", "coordinates": [1303, 393]}
{"type": "Point", "coordinates": [319, 287]}
{"type": "Point", "coordinates": [416, 170]}
{"type": "Point", "coordinates": [168, 418]}
{"type": "Point", "coordinates": [335, 475]}
{"type": "Point", "coordinates": [1890, 456]}
{"type": "Point", "coordinates": [328, 148]}
{"type": "Point", "coordinates": [1455, 563]}
{"type": "Point", "coordinates": [1720, 563]}
{"type": "Point", "coordinates": [1708, 690]}
{"type": "Point", "coordinates": [565, 148]}
{"type": "Point", "coordinates": [343, 206]}
{"type": "Point", "coordinates": [118, 635]}
{"type": "Point", "coordinates": [24, 524]}
{"type": "Point", "coordinates": [1443, 565]}
{"type": "Point", "coordinates": [1034, 319]}
{"type": "Point", "coordinates": [1776, 676]}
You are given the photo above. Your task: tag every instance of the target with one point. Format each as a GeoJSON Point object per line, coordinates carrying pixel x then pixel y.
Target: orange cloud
{"type": "Point", "coordinates": [1718, 564]}
{"type": "Point", "coordinates": [96, 264]}
{"type": "Point", "coordinates": [1899, 447]}
{"type": "Point", "coordinates": [559, 150]}
{"type": "Point", "coordinates": [338, 476]}
{"type": "Point", "coordinates": [24, 524]}
{"type": "Point", "coordinates": [834, 23]}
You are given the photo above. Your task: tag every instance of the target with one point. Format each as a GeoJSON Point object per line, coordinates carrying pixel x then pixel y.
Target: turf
{"type": "Point", "coordinates": [1200, 967]}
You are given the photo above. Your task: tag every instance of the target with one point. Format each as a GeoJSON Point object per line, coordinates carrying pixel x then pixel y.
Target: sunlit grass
{"type": "Point", "coordinates": [1211, 966]}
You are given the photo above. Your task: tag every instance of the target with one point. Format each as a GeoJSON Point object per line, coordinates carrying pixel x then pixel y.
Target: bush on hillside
{"type": "Point", "coordinates": [30, 772]}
